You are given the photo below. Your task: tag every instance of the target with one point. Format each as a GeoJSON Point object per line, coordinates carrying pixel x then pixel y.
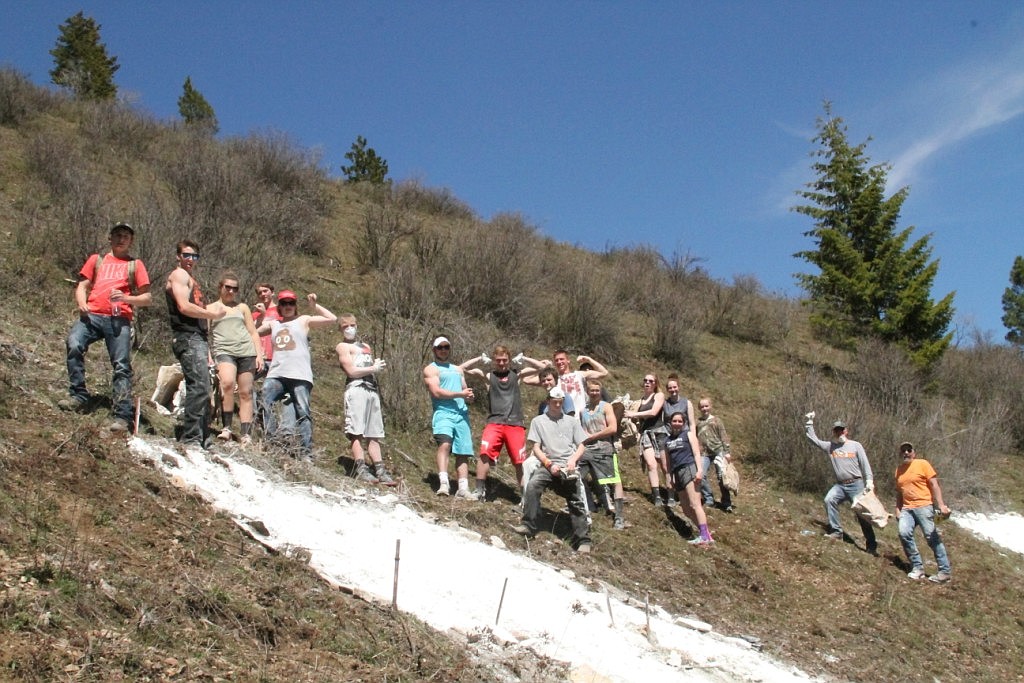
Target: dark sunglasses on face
{"type": "Point", "coordinates": [190, 257]}
{"type": "Point", "coordinates": [286, 302]}
{"type": "Point", "coordinates": [443, 347]}
{"type": "Point", "coordinates": [906, 450]}
{"type": "Point", "coordinates": [231, 288]}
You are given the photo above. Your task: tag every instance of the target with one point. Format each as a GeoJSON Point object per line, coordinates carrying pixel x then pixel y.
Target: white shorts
{"type": "Point", "coordinates": [363, 416]}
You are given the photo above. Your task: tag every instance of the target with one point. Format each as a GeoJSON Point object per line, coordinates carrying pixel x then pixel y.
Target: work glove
{"type": "Point", "coordinates": [484, 358]}
{"type": "Point", "coordinates": [809, 418]}
{"type": "Point", "coordinates": [869, 486]}
{"type": "Point", "coordinates": [518, 360]}
{"type": "Point", "coordinates": [379, 364]}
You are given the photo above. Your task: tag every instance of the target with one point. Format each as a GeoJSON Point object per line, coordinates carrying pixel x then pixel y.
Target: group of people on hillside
{"type": "Point", "coordinates": [573, 438]}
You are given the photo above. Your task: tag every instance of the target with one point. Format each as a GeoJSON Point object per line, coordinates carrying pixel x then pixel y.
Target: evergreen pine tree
{"type": "Point", "coordinates": [366, 165]}
{"type": "Point", "coordinates": [80, 60]}
{"type": "Point", "coordinates": [871, 283]}
{"type": "Point", "coordinates": [1013, 304]}
{"type": "Point", "coordinates": [196, 111]}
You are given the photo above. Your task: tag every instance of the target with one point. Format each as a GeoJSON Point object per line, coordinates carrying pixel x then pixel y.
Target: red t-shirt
{"type": "Point", "coordinates": [267, 340]}
{"type": "Point", "coordinates": [113, 275]}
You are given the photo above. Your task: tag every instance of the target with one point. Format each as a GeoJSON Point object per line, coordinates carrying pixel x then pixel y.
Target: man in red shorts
{"type": "Point", "coordinates": [505, 423]}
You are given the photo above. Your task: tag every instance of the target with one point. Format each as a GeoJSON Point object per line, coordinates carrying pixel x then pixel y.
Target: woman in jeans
{"type": "Point", "coordinates": [238, 353]}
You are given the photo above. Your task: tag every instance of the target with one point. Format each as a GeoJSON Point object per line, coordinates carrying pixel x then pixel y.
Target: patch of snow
{"type": "Point", "coordinates": [1006, 530]}
{"type": "Point", "coordinates": [454, 580]}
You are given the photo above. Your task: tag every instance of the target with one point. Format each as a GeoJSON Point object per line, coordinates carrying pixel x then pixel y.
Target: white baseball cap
{"type": "Point", "coordinates": [441, 340]}
{"type": "Point", "coordinates": [556, 393]}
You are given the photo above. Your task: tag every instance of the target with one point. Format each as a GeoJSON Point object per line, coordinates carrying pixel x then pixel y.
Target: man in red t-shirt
{"type": "Point", "coordinates": [265, 310]}
{"type": "Point", "coordinates": [109, 288]}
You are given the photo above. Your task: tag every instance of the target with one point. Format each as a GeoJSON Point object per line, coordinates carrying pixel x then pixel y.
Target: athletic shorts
{"type": "Point", "coordinates": [512, 437]}
{"type": "Point", "coordinates": [242, 364]}
{"type": "Point", "coordinates": [654, 440]}
{"type": "Point", "coordinates": [603, 461]}
{"type": "Point", "coordinates": [684, 475]}
{"type": "Point", "coordinates": [363, 416]}
{"type": "Point", "coordinates": [453, 428]}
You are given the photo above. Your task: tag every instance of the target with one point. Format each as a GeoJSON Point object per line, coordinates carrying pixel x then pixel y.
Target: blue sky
{"type": "Point", "coordinates": [683, 125]}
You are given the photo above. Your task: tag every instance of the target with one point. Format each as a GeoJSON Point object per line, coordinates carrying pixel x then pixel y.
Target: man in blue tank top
{"type": "Point", "coordinates": [446, 384]}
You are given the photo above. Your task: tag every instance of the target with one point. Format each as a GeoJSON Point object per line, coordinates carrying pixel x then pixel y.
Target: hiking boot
{"type": "Point", "coordinates": [671, 502]}
{"type": "Point", "coordinates": [118, 425]}
{"type": "Point", "coordinates": [74, 405]}
{"type": "Point", "coordinates": [382, 475]}
{"type": "Point", "coordinates": [941, 577]}
{"type": "Point", "coordinates": [225, 434]}
{"type": "Point", "coordinates": [523, 530]}
{"type": "Point", "coordinates": [834, 535]}
{"type": "Point", "coordinates": [619, 523]}
{"type": "Point", "coordinates": [364, 474]}
{"type": "Point", "coordinates": [656, 500]}
{"type": "Point", "coordinates": [583, 549]}
{"type": "Point", "coordinates": [916, 574]}
{"type": "Point", "coordinates": [245, 441]}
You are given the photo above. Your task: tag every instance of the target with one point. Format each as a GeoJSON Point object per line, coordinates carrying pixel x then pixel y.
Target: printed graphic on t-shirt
{"type": "Point", "coordinates": [283, 340]}
{"type": "Point", "coordinates": [571, 384]}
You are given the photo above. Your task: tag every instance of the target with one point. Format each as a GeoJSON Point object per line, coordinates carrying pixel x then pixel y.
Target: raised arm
{"type": "Point", "coordinates": [320, 317]}
{"type": "Point", "coordinates": [598, 371]}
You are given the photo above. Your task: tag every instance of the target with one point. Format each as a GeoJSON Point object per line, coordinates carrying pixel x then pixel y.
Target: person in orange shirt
{"type": "Point", "coordinates": [917, 496]}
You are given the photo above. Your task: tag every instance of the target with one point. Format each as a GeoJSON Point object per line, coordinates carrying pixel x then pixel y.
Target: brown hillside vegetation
{"type": "Point", "coordinates": [110, 573]}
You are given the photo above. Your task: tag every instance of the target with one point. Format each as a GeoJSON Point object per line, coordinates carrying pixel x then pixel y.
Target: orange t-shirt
{"type": "Point", "coordinates": [912, 482]}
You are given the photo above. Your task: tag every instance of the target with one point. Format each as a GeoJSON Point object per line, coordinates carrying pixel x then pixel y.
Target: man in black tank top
{"type": "Point", "coordinates": [188, 317]}
{"type": "Point", "coordinates": [506, 425]}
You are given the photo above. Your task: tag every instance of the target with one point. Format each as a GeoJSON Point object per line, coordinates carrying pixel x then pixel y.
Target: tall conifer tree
{"type": "Point", "coordinates": [1013, 304]}
{"type": "Point", "coordinates": [870, 281]}
{"type": "Point", "coordinates": [196, 111]}
{"type": "Point", "coordinates": [80, 60]}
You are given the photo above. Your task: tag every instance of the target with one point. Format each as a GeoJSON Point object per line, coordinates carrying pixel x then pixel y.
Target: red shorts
{"type": "Point", "coordinates": [495, 436]}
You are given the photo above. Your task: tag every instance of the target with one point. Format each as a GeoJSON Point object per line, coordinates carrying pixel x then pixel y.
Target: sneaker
{"type": "Point", "coordinates": [619, 523]}
{"type": "Point", "coordinates": [118, 425]}
{"type": "Point", "coordinates": [245, 441]}
{"type": "Point", "coordinates": [382, 475]}
{"type": "Point", "coordinates": [671, 502]}
{"type": "Point", "coordinates": [872, 550]}
{"type": "Point", "coordinates": [364, 474]}
{"type": "Point", "coordinates": [73, 405]}
{"type": "Point", "coordinates": [701, 542]}
{"type": "Point", "coordinates": [225, 434]}
{"type": "Point", "coordinates": [466, 494]}
{"type": "Point", "coordinates": [443, 490]}
{"type": "Point", "coordinates": [729, 508]}
{"type": "Point", "coordinates": [523, 530]}
{"type": "Point", "coordinates": [583, 549]}
{"type": "Point", "coordinates": [656, 500]}
{"type": "Point", "coordinates": [916, 574]}
{"type": "Point", "coordinates": [941, 577]}
{"type": "Point", "coordinates": [834, 535]}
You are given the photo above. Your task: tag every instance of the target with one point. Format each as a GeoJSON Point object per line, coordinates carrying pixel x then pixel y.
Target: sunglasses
{"type": "Point", "coordinates": [443, 347]}
{"type": "Point", "coordinates": [648, 381]}
{"type": "Point", "coordinates": [231, 288]}
{"type": "Point", "coordinates": [906, 450]}
{"type": "Point", "coordinates": [190, 257]}
{"type": "Point", "coordinates": [286, 302]}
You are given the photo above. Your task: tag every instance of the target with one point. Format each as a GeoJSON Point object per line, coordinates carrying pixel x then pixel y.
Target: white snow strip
{"type": "Point", "coordinates": [450, 579]}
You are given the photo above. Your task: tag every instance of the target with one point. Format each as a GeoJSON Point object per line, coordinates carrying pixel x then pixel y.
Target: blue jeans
{"type": "Point", "coordinates": [274, 389]}
{"type": "Point", "coordinates": [193, 354]}
{"type": "Point", "coordinates": [923, 517]}
{"type": "Point", "coordinates": [706, 493]}
{"type": "Point", "coordinates": [117, 333]}
{"type": "Point", "coordinates": [847, 492]}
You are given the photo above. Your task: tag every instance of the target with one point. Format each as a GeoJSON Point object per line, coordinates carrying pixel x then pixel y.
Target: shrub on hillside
{"type": "Point", "coordinates": [109, 125]}
{"type": "Point", "coordinates": [383, 227]}
{"type": "Point", "coordinates": [577, 309]}
{"type": "Point", "coordinates": [744, 311]}
{"type": "Point", "coordinates": [21, 100]}
{"type": "Point", "coordinates": [414, 196]}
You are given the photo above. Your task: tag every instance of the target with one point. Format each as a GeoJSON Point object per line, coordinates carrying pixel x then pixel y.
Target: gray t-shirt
{"type": "Point", "coordinates": [291, 351]}
{"type": "Point", "coordinates": [559, 438]}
